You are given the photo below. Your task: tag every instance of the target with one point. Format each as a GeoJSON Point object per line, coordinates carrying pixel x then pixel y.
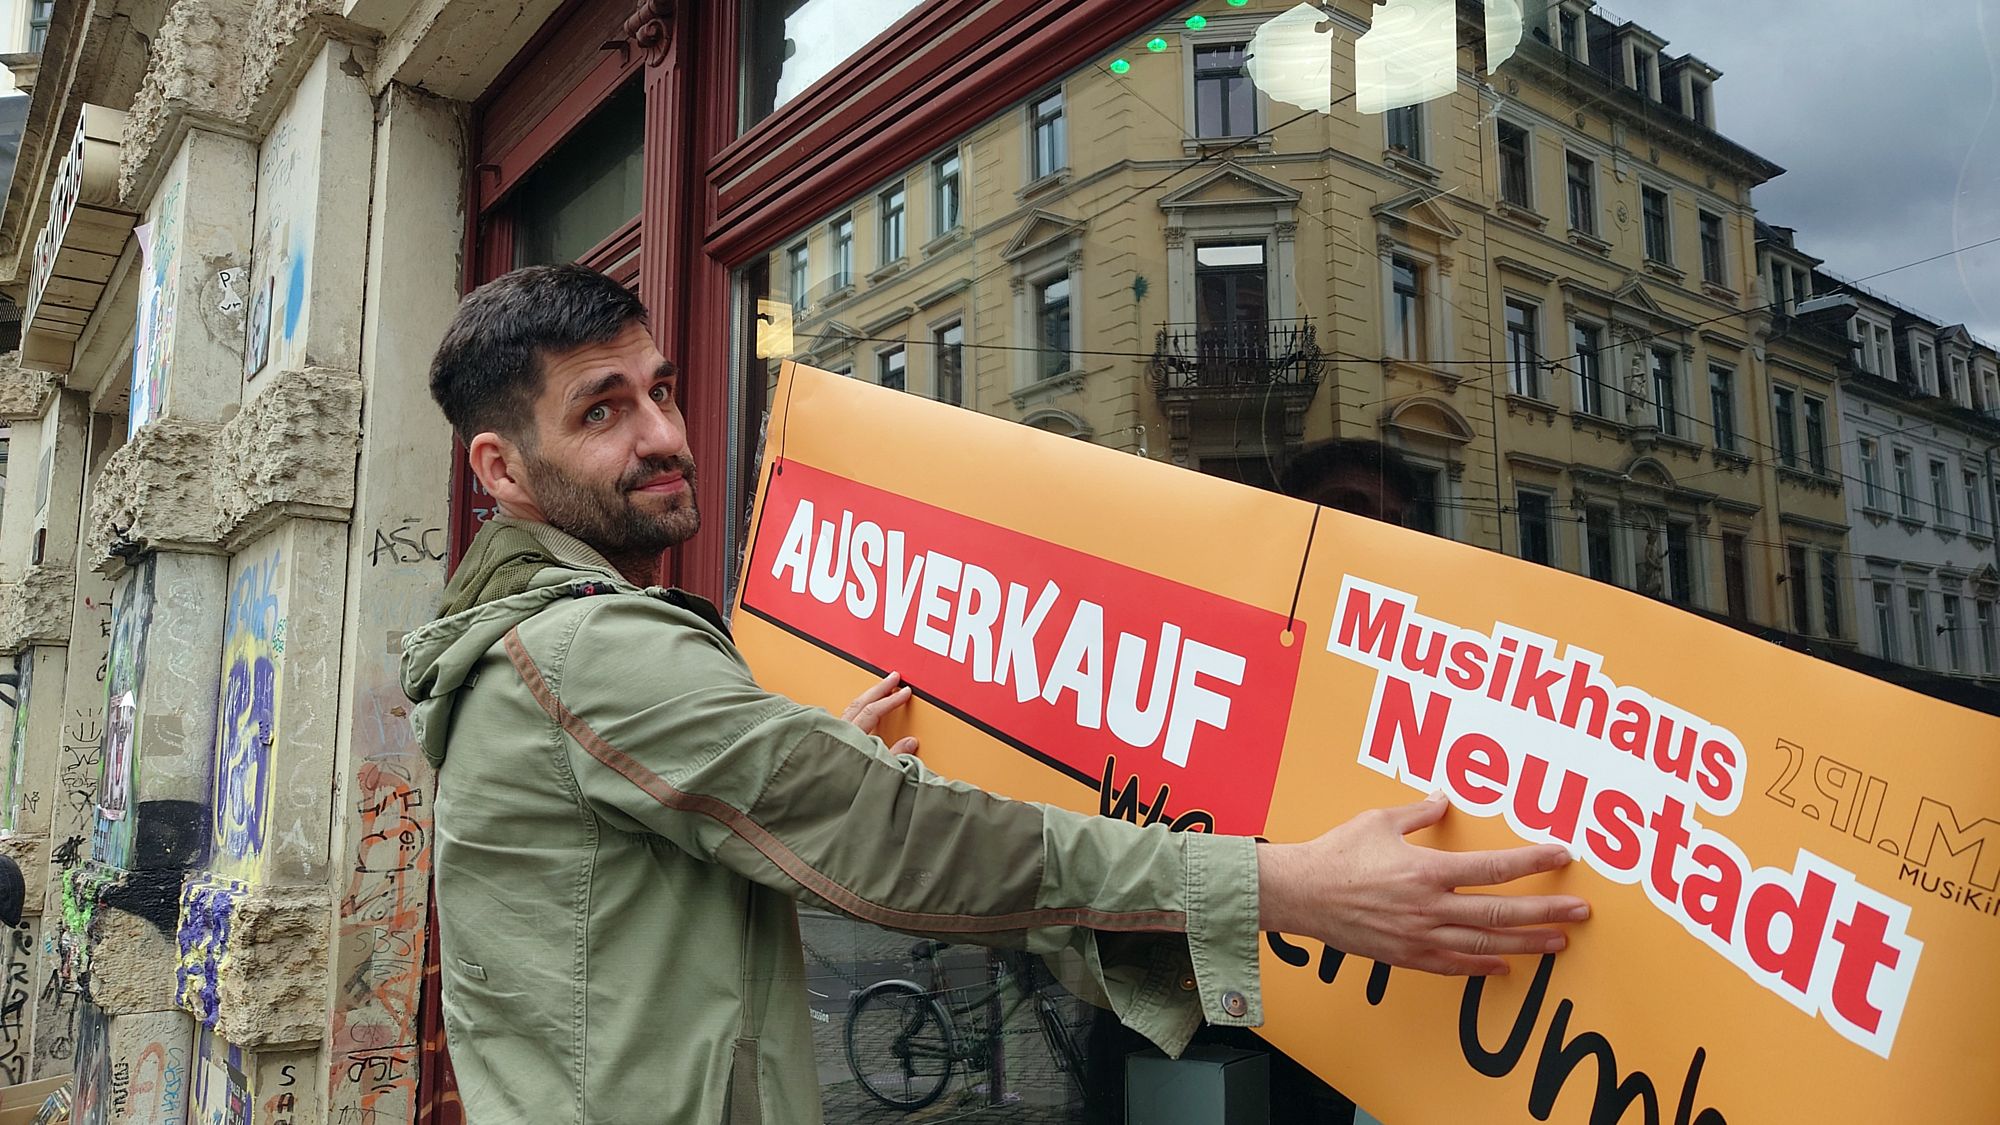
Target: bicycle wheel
{"type": "Point", "coordinates": [1068, 1054]}
{"type": "Point", "coordinates": [899, 1045]}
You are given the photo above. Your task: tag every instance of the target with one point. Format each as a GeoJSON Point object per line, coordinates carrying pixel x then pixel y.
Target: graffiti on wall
{"type": "Point", "coordinates": [17, 753]}
{"type": "Point", "coordinates": [152, 351]}
{"type": "Point", "coordinates": [130, 1068]}
{"type": "Point", "coordinates": [289, 160]}
{"type": "Point", "coordinates": [208, 908]}
{"type": "Point", "coordinates": [221, 1086]}
{"type": "Point", "coordinates": [158, 1087]}
{"type": "Point", "coordinates": [131, 619]}
{"type": "Point", "coordinates": [16, 998]}
{"type": "Point", "coordinates": [247, 722]}
{"type": "Point", "coordinates": [91, 1101]}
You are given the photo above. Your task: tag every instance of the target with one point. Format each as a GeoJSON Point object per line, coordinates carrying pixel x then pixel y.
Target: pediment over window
{"type": "Point", "coordinates": [1058, 422]}
{"type": "Point", "coordinates": [1634, 294]}
{"type": "Point", "coordinates": [1040, 230]}
{"type": "Point", "coordinates": [1646, 470]}
{"type": "Point", "coordinates": [832, 337]}
{"type": "Point", "coordinates": [1419, 209]}
{"type": "Point", "coordinates": [1425, 418]}
{"type": "Point", "coordinates": [1231, 185]}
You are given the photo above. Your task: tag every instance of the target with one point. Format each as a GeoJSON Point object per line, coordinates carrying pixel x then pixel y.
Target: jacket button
{"type": "Point", "coordinates": [1234, 1003]}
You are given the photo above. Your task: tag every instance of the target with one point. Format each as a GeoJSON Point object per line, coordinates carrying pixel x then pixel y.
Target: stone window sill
{"type": "Point", "coordinates": [1032, 188]}
{"type": "Point", "coordinates": [1587, 241]}
{"type": "Point", "coordinates": [1521, 214]}
{"type": "Point", "coordinates": [1403, 162]}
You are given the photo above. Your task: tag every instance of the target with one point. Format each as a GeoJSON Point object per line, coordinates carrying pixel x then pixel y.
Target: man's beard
{"type": "Point", "coordinates": [607, 518]}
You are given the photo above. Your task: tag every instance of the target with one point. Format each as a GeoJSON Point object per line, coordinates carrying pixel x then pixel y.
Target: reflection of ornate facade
{"type": "Point", "coordinates": [1543, 286]}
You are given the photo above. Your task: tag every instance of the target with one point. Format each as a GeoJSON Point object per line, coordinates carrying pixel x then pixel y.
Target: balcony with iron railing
{"type": "Point", "coordinates": [1243, 357]}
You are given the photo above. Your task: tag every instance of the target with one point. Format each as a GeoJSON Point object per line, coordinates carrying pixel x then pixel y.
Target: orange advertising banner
{"type": "Point", "coordinates": [1794, 869]}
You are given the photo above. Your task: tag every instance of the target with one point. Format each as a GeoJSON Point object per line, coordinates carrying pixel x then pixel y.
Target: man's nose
{"type": "Point", "coordinates": [661, 434]}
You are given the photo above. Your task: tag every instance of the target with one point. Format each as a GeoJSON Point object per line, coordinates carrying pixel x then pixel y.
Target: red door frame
{"type": "Point", "coordinates": [715, 200]}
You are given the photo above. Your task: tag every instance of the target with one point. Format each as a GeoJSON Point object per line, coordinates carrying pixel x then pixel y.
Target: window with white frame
{"type": "Point", "coordinates": [1654, 205]}
{"type": "Point", "coordinates": [1989, 643]}
{"type": "Point", "coordinates": [1586, 341]}
{"type": "Point", "coordinates": [1701, 102]}
{"type": "Point", "coordinates": [1885, 351]}
{"type": "Point", "coordinates": [1871, 473]}
{"type": "Point", "coordinates": [1989, 389]}
{"type": "Point", "coordinates": [1645, 73]}
{"type": "Point", "coordinates": [891, 230]}
{"type": "Point", "coordinates": [947, 198]}
{"type": "Point", "coordinates": [1975, 503]}
{"type": "Point", "coordinates": [1713, 267]}
{"type": "Point", "coordinates": [1785, 422]}
{"type": "Point", "coordinates": [1722, 406]}
{"type": "Point", "coordinates": [1052, 325]}
{"type": "Point", "coordinates": [1049, 151]}
{"type": "Point", "coordinates": [1906, 484]}
{"type": "Point", "coordinates": [1829, 592]}
{"type": "Point", "coordinates": [1919, 607]}
{"type": "Point", "coordinates": [1524, 348]}
{"type": "Point", "coordinates": [1516, 166]}
{"type": "Point", "coordinates": [840, 234]}
{"type": "Point", "coordinates": [1225, 100]}
{"type": "Point", "coordinates": [1926, 353]}
{"type": "Point", "coordinates": [798, 274]}
{"type": "Point", "coordinates": [1961, 383]}
{"type": "Point", "coordinates": [1885, 619]}
{"type": "Point", "coordinates": [1406, 308]}
{"type": "Point", "coordinates": [1953, 651]}
{"type": "Point", "coordinates": [892, 368]}
{"type": "Point", "coordinates": [1667, 390]}
{"type": "Point", "coordinates": [948, 363]}
{"type": "Point", "coordinates": [1815, 434]}
{"type": "Point", "coordinates": [1582, 181]}
{"type": "Point", "coordinates": [1940, 494]}
{"type": "Point", "coordinates": [1569, 35]}
{"type": "Point", "coordinates": [1404, 129]}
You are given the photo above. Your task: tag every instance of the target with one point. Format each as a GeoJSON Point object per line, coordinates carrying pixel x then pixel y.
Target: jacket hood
{"type": "Point", "coordinates": [508, 575]}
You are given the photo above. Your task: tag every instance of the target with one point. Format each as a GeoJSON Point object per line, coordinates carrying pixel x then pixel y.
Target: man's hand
{"type": "Point", "coordinates": [876, 704]}
{"type": "Point", "coordinates": [1363, 889]}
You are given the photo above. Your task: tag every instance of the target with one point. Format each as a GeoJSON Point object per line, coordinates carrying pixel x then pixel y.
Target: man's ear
{"type": "Point", "coordinates": [497, 463]}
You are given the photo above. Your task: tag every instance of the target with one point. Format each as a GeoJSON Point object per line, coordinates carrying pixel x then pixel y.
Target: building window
{"type": "Point", "coordinates": [1711, 249]}
{"type": "Point", "coordinates": [1680, 563]}
{"type": "Point", "coordinates": [1722, 406]}
{"type": "Point", "coordinates": [1796, 583]}
{"type": "Point", "coordinates": [841, 233]}
{"type": "Point", "coordinates": [1829, 592]}
{"type": "Point", "coordinates": [891, 204]}
{"type": "Point", "coordinates": [1940, 495]}
{"type": "Point", "coordinates": [1052, 325]}
{"type": "Point", "coordinates": [1514, 165]}
{"type": "Point", "coordinates": [40, 12]}
{"type": "Point", "coordinates": [1599, 555]}
{"type": "Point", "coordinates": [948, 344]}
{"type": "Point", "coordinates": [893, 367]}
{"type": "Point", "coordinates": [1224, 99]}
{"type": "Point", "coordinates": [947, 204]}
{"type": "Point", "coordinates": [1405, 127]}
{"type": "Point", "coordinates": [1667, 391]}
{"type": "Point", "coordinates": [1589, 367]}
{"type": "Point", "coordinates": [1701, 105]}
{"type": "Point", "coordinates": [1232, 306]}
{"type": "Point", "coordinates": [1920, 627]}
{"type": "Point", "coordinates": [1424, 510]}
{"type": "Point", "coordinates": [1989, 644]}
{"type": "Point", "coordinates": [1906, 484]}
{"type": "Point", "coordinates": [1569, 27]}
{"type": "Point", "coordinates": [1532, 512]}
{"type": "Point", "coordinates": [1989, 390]}
{"type": "Point", "coordinates": [1582, 195]}
{"type": "Point", "coordinates": [1406, 308]}
{"type": "Point", "coordinates": [1958, 388]}
{"type": "Point", "coordinates": [1642, 74]}
{"type": "Point", "coordinates": [1046, 126]}
{"type": "Point", "coordinates": [1884, 349]}
{"type": "Point", "coordinates": [1524, 351]}
{"type": "Point", "coordinates": [1736, 574]}
{"type": "Point", "coordinates": [1975, 503]}
{"type": "Point", "coordinates": [1871, 474]}
{"type": "Point", "coordinates": [1653, 208]}
{"type": "Point", "coordinates": [1885, 620]}
{"type": "Point", "coordinates": [798, 269]}
{"type": "Point", "coordinates": [1953, 652]}
{"type": "Point", "coordinates": [1816, 434]}
{"type": "Point", "coordinates": [1782, 410]}
{"type": "Point", "coordinates": [1926, 367]}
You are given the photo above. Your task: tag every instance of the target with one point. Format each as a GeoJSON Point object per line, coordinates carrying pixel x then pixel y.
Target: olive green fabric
{"type": "Point", "coordinates": [624, 821]}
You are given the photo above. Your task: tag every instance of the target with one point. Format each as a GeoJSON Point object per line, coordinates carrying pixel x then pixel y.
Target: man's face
{"type": "Point", "coordinates": [608, 462]}
{"type": "Point", "coordinates": [1351, 488]}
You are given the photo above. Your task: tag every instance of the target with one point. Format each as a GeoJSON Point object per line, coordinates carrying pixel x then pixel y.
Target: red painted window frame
{"type": "Point", "coordinates": [715, 200]}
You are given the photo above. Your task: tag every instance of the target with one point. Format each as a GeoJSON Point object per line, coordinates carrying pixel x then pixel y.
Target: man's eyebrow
{"type": "Point", "coordinates": [665, 370]}
{"type": "Point", "coordinates": [595, 387]}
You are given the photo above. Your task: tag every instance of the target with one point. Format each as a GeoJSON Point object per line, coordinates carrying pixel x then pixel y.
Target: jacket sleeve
{"type": "Point", "coordinates": [668, 733]}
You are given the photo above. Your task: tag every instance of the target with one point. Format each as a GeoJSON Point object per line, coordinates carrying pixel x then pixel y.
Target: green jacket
{"type": "Point", "coordinates": [624, 821]}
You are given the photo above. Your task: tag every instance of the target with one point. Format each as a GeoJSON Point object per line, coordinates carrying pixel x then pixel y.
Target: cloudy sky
{"type": "Point", "coordinates": [1887, 119]}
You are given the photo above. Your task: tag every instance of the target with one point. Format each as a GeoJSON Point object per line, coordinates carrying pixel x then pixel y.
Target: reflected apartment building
{"type": "Point", "coordinates": [1539, 282]}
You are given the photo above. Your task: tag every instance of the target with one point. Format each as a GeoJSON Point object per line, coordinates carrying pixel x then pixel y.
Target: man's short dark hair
{"type": "Point", "coordinates": [1315, 463]}
{"type": "Point", "coordinates": [488, 371]}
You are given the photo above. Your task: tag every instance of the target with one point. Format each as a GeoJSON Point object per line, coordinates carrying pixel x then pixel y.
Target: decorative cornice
{"type": "Point", "coordinates": [650, 28]}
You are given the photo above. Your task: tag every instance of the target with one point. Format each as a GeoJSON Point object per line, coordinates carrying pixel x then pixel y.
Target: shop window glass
{"type": "Point", "coordinates": [586, 188]}
{"type": "Point", "coordinates": [791, 44]}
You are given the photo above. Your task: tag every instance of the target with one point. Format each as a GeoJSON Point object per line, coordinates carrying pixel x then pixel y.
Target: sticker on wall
{"type": "Point", "coordinates": [257, 332]}
{"type": "Point", "coordinates": [117, 793]}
